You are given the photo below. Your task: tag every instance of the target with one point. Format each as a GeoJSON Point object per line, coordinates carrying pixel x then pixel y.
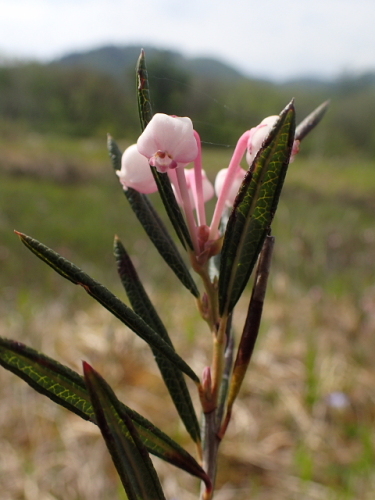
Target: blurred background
{"type": "Point", "coordinates": [304, 425]}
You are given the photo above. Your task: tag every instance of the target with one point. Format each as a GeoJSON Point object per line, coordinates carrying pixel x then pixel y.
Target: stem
{"type": "Point", "coordinates": [180, 173]}
{"type": "Point", "coordinates": [211, 314]}
{"type": "Point", "coordinates": [212, 419]}
{"type": "Point", "coordinates": [228, 364]}
{"type": "Point", "coordinates": [231, 174]}
{"type": "Point", "coordinates": [198, 192]}
{"type": "Point", "coordinates": [211, 444]}
{"type": "Point", "coordinates": [218, 358]}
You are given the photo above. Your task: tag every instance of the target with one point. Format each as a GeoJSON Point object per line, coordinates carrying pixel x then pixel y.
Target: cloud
{"type": "Point", "coordinates": [270, 38]}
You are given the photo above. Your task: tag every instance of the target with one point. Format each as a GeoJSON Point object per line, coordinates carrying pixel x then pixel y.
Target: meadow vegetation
{"type": "Point", "coordinates": [304, 424]}
{"type": "Point", "coordinates": [289, 437]}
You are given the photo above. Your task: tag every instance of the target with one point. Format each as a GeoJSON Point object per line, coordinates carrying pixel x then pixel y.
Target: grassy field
{"type": "Point", "coordinates": [304, 425]}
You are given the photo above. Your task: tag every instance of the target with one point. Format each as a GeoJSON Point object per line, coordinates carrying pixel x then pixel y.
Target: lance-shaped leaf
{"type": "Point", "coordinates": [143, 92]}
{"type": "Point", "coordinates": [67, 388]}
{"type": "Point", "coordinates": [128, 453]}
{"type": "Point", "coordinates": [162, 180]}
{"type": "Point", "coordinates": [251, 328]}
{"type": "Point", "coordinates": [143, 306]}
{"type": "Point", "coordinates": [154, 226]}
{"type": "Point", "coordinates": [253, 210]}
{"type": "Point", "coordinates": [311, 121]}
{"type": "Point", "coordinates": [107, 299]}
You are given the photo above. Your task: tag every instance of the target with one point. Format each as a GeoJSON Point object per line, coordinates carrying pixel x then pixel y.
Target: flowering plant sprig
{"type": "Point", "coordinates": [223, 253]}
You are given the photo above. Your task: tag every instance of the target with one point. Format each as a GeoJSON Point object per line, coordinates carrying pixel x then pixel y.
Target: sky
{"type": "Point", "coordinates": [272, 39]}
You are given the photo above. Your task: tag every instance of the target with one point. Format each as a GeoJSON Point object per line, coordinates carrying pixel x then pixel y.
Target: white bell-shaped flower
{"type": "Point", "coordinates": [135, 172]}
{"type": "Point", "coordinates": [168, 142]}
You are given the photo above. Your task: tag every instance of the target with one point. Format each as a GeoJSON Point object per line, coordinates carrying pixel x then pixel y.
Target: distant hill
{"type": "Point", "coordinates": [116, 61]}
{"type": "Point", "coordinates": [90, 93]}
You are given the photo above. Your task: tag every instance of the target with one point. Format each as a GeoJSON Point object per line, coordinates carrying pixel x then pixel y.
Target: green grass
{"type": "Point", "coordinates": [317, 336]}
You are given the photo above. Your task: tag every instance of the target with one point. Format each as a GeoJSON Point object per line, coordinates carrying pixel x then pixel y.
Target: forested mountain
{"type": "Point", "coordinates": [118, 61]}
{"type": "Point", "coordinates": [93, 93]}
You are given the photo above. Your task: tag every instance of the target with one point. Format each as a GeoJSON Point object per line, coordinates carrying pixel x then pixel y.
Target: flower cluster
{"type": "Point", "coordinates": [170, 144]}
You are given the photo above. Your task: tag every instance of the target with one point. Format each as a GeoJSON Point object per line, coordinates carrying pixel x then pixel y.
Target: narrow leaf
{"type": "Point", "coordinates": [143, 92]}
{"type": "Point", "coordinates": [143, 306]}
{"type": "Point", "coordinates": [311, 121]}
{"type": "Point", "coordinates": [154, 226]}
{"type": "Point", "coordinates": [114, 152]}
{"type": "Point", "coordinates": [47, 376]}
{"type": "Point", "coordinates": [253, 210]}
{"type": "Point", "coordinates": [252, 323]}
{"type": "Point", "coordinates": [67, 388]}
{"type": "Point", "coordinates": [128, 453]}
{"type": "Point", "coordinates": [162, 180]}
{"type": "Point", "coordinates": [107, 299]}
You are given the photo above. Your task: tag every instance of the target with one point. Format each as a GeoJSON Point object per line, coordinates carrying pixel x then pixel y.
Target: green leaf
{"type": "Point", "coordinates": [107, 299]}
{"type": "Point", "coordinates": [143, 92]}
{"type": "Point", "coordinates": [67, 388]}
{"type": "Point", "coordinates": [47, 376]}
{"type": "Point", "coordinates": [143, 306]}
{"type": "Point", "coordinates": [128, 453]}
{"type": "Point", "coordinates": [311, 121]}
{"type": "Point", "coordinates": [253, 211]}
{"type": "Point", "coordinates": [114, 152]}
{"type": "Point", "coordinates": [154, 226]}
{"type": "Point", "coordinates": [162, 180]}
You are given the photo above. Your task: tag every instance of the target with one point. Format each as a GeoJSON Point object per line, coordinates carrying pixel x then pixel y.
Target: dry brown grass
{"type": "Point", "coordinates": [285, 440]}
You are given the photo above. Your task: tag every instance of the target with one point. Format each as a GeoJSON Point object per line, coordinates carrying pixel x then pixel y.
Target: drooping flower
{"type": "Point", "coordinates": [168, 142]}
{"type": "Point", "coordinates": [135, 172]}
{"type": "Point", "coordinates": [235, 185]}
{"type": "Point", "coordinates": [258, 135]}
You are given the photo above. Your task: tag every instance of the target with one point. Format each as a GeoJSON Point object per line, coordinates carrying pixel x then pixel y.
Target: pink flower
{"type": "Point", "coordinates": [135, 172]}
{"type": "Point", "coordinates": [208, 189]}
{"type": "Point", "coordinates": [259, 134]}
{"type": "Point", "coordinates": [168, 142]}
{"type": "Point", "coordinates": [225, 183]}
{"type": "Point", "coordinates": [235, 185]}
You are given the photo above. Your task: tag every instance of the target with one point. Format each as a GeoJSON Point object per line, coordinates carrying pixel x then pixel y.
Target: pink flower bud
{"type": "Point", "coordinates": [135, 172]}
{"type": "Point", "coordinates": [168, 142]}
{"type": "Point", "coordinates": [235, 186]}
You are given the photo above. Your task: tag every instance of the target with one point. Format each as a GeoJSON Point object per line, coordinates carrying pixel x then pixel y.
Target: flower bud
{"type": "Point", "coordinates": [135, 172]}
